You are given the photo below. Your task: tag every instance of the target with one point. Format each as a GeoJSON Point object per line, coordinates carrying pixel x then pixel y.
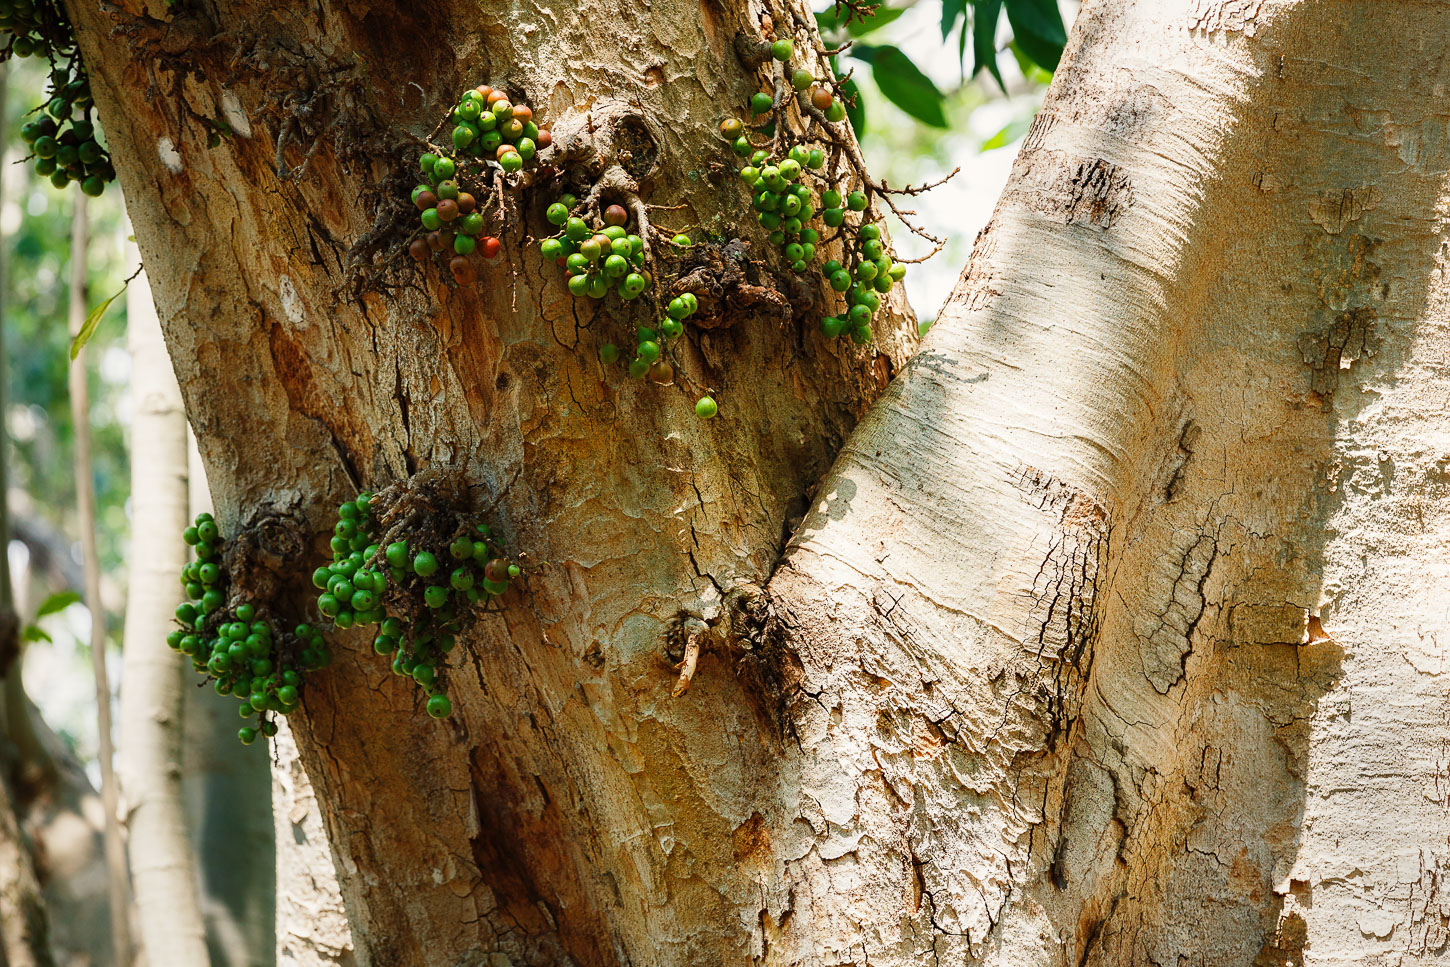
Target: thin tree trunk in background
{"type": "Point", "coordinates": [228, 795]}
{"type": "Point", "coordinates": [163, 867]}
{"type": "Point", "coordinates": [23, 933]}
{"type": "Point", "coordinates": [80, 404]}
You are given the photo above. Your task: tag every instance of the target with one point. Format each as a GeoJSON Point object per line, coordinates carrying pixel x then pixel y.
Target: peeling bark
{"type": "Point", "coordinates": [1058, 668]}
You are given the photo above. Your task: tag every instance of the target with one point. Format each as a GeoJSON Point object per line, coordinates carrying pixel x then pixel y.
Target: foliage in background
{"type": "Point", "coordinates": [35, 222]}
{"type": "Point", "coordinates": [36, 225]}
{"type": "Point", "coordinates": [1038, 35]}
{"type": "Point", "coordinates": [981, 115]}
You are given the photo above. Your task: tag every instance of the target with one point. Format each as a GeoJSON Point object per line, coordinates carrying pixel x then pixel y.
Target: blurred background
{"type": "Point", "coordinates": [942, 84]}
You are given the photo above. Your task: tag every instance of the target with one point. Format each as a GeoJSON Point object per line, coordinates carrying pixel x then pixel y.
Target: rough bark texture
{"type": "Point", "coordinates": [569, 811]}
{"type": "Point", "coordinates": [163, 865]}
{"type": "Point", "coordinates": [1111, 639]}
{"type": "Point", "coordinates": [24, 941]}
{"type": "Point", "coordinates": [312, 928]}
{"type": "Point", "coordinates": [1117, 621]}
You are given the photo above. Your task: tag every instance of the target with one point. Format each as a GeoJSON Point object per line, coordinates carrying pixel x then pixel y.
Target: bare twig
{"type": "Point", "coordinates": [686, 668]}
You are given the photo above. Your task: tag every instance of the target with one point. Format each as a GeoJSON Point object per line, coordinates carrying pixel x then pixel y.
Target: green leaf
{"type": "Point", "coordinates": [855, 107]}
{"type": "Point", "coordinates": [903, 83]}
{"type": "Point", "coordinates": [56, 603]}
{"type": "Point", "coordinates": [985, 14]}
{"type": "Point", "coordinates": [1011, 132]}
{"type": "Point", "coordinates": [34, 633]}
{"type": "Point", "coordinates": [828, 21]}
{"type": "Point", "coordinates": [880, 16]}
{"type": "Point", "coordinates": [851, 97]}
{"type": "Point", "coordinates": [951, 12]}
{"type": "Point", "coordinates": [1038, 29]}
{"type": "Point", "coordinates": [1028, 66]}
{"type": "Point", "coordinates": [88, 328]}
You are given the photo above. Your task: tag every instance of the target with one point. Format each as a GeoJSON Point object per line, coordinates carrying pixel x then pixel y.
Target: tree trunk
{"type": "Point", "coordinates": [163, 865]}
{"type": "Point", "coordinates": [312, 927]}
{"type": "Point", "coordinates": [86, 521]}
{"type": "Point", "coordinates": [1060, 666]}
{"type": "Point", "coordinates": [1129, 654]}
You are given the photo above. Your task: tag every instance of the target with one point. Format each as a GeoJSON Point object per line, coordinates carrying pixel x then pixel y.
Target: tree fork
{"type": "Point", "coordinates": [565, 811]}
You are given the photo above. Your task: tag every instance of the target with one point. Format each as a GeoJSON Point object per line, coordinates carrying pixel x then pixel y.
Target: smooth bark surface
{"type": "Point", "coordinates": [163, 866]}
{"type": "Point", "coordinates": [1110, 639]}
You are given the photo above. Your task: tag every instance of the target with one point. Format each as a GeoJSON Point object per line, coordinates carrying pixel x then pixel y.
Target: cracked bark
{"type": "Point", "coordinates": [935, 739]}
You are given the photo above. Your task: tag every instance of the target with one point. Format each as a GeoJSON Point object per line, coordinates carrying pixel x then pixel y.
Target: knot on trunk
{"type": "Point", "coordinates": [606, 134]}
{"type": "Point", "coordinates": [263, 558]}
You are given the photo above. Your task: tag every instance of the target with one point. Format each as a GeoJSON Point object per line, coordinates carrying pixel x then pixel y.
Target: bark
{"type": "Point", "coordinates": [1128, 654]}
{"type": "Point", "coordinates": [312, 927]}
{"type": "Point", "coordinates": [1059, 668]}
{"type": "Point", "coordinates": [163, 865]}
{"type": "Point", "coordinates": [90, 558]}
{"type": "Point", "coordinates": [462, 839]}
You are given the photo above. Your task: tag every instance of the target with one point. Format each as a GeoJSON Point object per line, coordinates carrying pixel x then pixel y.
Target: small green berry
{"type": "Point", "coordinates": [705, 408]}
{"type": "Point", "coordinates": [439, 707]}
{"type": "Point", "coordinates": [782, 49]}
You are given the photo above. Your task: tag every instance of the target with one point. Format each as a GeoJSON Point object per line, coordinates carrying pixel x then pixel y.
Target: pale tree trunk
{"type": "Point", "coordinates": [1129, 653]}
{"type": "Point", "coordinates": [1111, 638]}
{"type": "Point", "coordinates": [312, 927]}
{"type": "Point", "coordinates": [228, 811]}
{"type": "Point", "coordinates": [162, 863]}
{"type": "Point", "coordinates": [86, 521]}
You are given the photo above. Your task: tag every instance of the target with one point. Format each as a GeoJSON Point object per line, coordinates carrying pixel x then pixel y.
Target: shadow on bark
{"type": "Point", "coordinates": [1211, 332]}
